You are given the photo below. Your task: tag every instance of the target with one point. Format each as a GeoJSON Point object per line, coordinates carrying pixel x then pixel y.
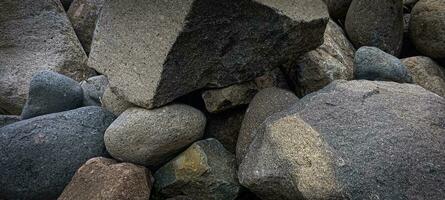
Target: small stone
{"type": "Point", "coordinates": [204, 171]}
{"type": "Point", "coordinates": [377, 23]}
{"type": "Point", "coordinates": [113, 103]}
{"type": "Point", "coordinates": [8, 119]}
{"type": "Point", "coordinates": [152, 137]}
{"type": "Point", "coordinates": [427, 27]}
{"type": "Point", "coordinates": [266, 103]}
{"type": "Point", "coordinates": [372, 63]}
{"type": "Point", "coordinates": [93, 90]}
{"type": "Point", "coordinates": [218, 100]}
{"type": "Point", "coordinates": [40, 155]}
{"type": "Point", "coordinates": [338, 8]}
{"type": "Point", "coordinates": [426, 73]}
{"type": "Point", "coordinates": [83, 15]}
{"type": "Point", "coordinates": [103, 178]}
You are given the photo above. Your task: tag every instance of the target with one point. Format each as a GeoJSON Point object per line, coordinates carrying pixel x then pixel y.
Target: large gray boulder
{"type": "Point", "coordinates": [40, 155]}
{"type": "Point", "coordinates": [353, 140]}
{"type": "Point", "coordinates": [377, 23]}
{"type": "Point", "coordinates": [152, 137]}
{"type": "Point", "coordinates": [155, 51]}
{"type": "Point", "coordinates": [35, 36]}
{"type": "Point", "coordinates": [426, 73]}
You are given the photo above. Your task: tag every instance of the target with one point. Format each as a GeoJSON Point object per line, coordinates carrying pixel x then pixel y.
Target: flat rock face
{"type": "Point", "coordinates": [426, 73]}
{"type": "Point", "coordinates": [427, 27]}
{"type": "Point", "coordinates": [103, 178]}
{"type": "Point", "coordinates": [152, 137]}
{"type": "Point", "coordinates": [382, 140]}
{"type": "Point", "coordinates": [377, 23]}
{"type": "Point", "coordinates": [40, 155]}
{"type": "Point", "coordinates": [35, 36]}
{"type": "Point", "coordinates": [50, 92]}
{"type": "Point", "coordinates": [333, 60]}
{"type": "Point", "coordinates": [155, 51]}
{"type": "Point", "coordinates": [372, 63]}
{"type": "Point", "coordinates": [204, 171]}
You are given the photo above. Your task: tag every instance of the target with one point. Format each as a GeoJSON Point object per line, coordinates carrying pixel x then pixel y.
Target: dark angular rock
{"type": "Point", "coordinates": [93, 90]}
{"type": "Point", "coordinates": [40, 155]}
{"type": "Point", "coordinates": [372, 63]}
{"type": "Point", "coordinates": [50, 92]}
{"type": "Point", "coordinates": [156, 51]}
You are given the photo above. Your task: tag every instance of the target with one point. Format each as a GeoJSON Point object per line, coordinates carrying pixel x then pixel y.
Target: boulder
{"type": "Point", "coordinates": [83, 15]}
{"type": "Point", "coordinates": [338, 8]}
{"type": "Point", "coordinates": [333, 60]}
{"type": "Point", "coordinates": [35, 36]}
{"type": "Point", "coordinates": [152, 137]}
{"type": "Point", "coordinates": [93, 90]}
{"type": "Point", "coordinates": [266, 103]}
{"type": "Point", "coordinates": [426, 73]}
{"type": "Point", "coordinates": [372, 63]}
{"type": "Point", "coordinates": [377, 23]}
{"type": "Point", "coordinates": [103, 178]}
{"type": "Point", "coordinates": [113, 103]}
{"type": "Point", "coordinates": [154, 52]}
{"type": "Point", "coordinates": [41, 154]}
{"type": "Point", "coordinates": [8, 119]}
{"type": "Point", "coordinates": [50, 92]}
{"type": "Point", "coordinates": [427, 27]}
{"type": "Point", "coordinates": [204, 171]}
{"type": "Point", "coordinates": [218, 100]}
{"type": "Point", "coordinates": [355, 140]}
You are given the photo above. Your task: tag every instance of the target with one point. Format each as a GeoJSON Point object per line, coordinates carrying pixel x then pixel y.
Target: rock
{"type": "Point", "coordinates": [331, 61]}
{"type": "Point", "coordinates": [35, 36]}
{"type": "Point", "coordinates": [93, 90]}
{"type": "Point", "coordinates": [225, 127]}
{"type": "Point", "coordinates": [372, 63]}
{"type": "Point", "coordinates": [218, 100]}
{"type": "Point", "coordinates": [204, 171]}
{"type": "Point", "coordinates": [274, 78]}
{"type": "Point", "coordinates": [66, 3]}
{"type": "Point", "coordinates": [103, 178]}
{"type": "Point", "coordinates": [362, 139]}
{"type": "Point", "coordinates": [50, 92]}
{"type": "Point", "coordinates": [426, 73]}
{"type": "Point", "coordinates": [377, 23]}
{"type": "Point", "coordinates": [8, 119]}
{"type": "Point", "coordinates": [154, 52]}
{"type": "Point", "coordinates": [409, 2]}
{"type": "Point", "coordinates": [338, 8]}
{"type": "Point", "coordinates": [113, 103]}
{"type": "Point", "coordinates": [83, 14]}
{"type": "Point", "coordinates": [40, 155]}
{"type": "Point", "coordinates": [152, 137]}
{"type": "Point", "coordinates": [266, 103]}
{"type": "Point", "coordinates": [427, 27]}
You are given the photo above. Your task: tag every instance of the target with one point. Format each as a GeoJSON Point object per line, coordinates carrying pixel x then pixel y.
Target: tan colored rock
{"type": "Point", "coordinates": [114, 103]}
{"type": "Point", "coordinates": [426, 73]}
{"type": "Point", "coordinates": [218, 100]}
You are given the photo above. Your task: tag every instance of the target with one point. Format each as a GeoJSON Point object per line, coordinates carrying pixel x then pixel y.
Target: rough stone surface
{"type": "Point", "coordinates": [35, 36]}
{"type": "Point", "coordinates": [204, 171]}
{"type": "Point", "coordinates": [93, 90]}
{"type": "Point", "coordinates": [377, 23]}
{"type": "Point", "coordinates": [331, 61]}
{"type": "Point", "coordinates": [8, 119]}
{"type": "Point", "coordinates": [338, 8]}
{"type": "Point", "coordinates": [266, 103]}
{"type": "Point", "coordinates": [103, 178]}
{"type": "Point", "coordinates": [152, 137]}
{"type": "Point", "coordinates": [379, 140]}
{"type": "Point", "coordinates": [218, 100]}
{"type": "Point", "coordinates": [83, 15]}
{"type": "Point", "coordinates": [225, 127]}
{"type": "Point", "coordinates": [113, 103]}
{"type": "Point", "coordinates": [372, 63]}
{"type": "Point", "coordinates": [40, 155]}
{"type": "Point", "coordinates": [427, 27]}
{"type": "Point", "coordinates": [154, 52]}
{"type": "Point", "coordinates": [426, 73]}
{"type": "Point", "coordinates": [50, 92]}
{"type": "Point", "coordinates": [274, 78]}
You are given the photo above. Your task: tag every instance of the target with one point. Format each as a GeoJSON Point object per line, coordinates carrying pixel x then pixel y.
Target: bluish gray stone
{"type": "Point", "coordinates": [372, 63]}
{"type": "Point", "coordinates": [50, 92]}
{"type": "Point", "coordinates": [40, 155]}
{"type": "Point", "coordinates": [8, 119]}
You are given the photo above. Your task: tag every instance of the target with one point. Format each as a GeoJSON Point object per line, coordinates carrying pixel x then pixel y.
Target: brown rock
{"type": "Point", "coordinates": [426, 73]}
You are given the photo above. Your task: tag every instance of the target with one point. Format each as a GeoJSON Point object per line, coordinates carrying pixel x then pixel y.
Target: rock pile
{"type": "Point", "coordinates": [222, 100]}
